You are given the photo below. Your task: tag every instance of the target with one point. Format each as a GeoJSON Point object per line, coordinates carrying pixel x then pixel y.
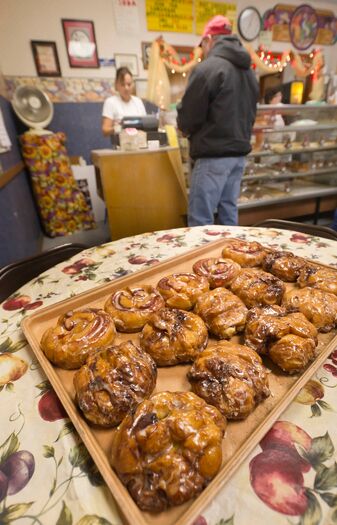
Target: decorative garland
{"type": "Point", "coordinates": [173, 61]}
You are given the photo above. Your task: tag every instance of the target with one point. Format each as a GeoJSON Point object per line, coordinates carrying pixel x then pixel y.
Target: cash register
{"type": "Point", "coordinates": [147, 123]}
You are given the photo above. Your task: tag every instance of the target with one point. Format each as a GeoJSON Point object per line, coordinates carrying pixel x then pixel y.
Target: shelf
{"type": "Point", "coordinates": [268, 153]}
{"type": "Point", "coordinates": [288, 129]}
{"type": "Point", "coordinates": [289, 174]}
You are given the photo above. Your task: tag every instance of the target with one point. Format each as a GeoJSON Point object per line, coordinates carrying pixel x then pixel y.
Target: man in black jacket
{"type": "Point", "coordinates": [217, 113]}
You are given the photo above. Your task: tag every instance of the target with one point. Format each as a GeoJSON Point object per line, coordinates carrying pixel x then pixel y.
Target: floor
{"type": "Point", "coordinates": [99, 235]}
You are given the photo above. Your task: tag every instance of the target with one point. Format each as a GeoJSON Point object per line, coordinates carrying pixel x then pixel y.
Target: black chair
{"type": "Point", "coordinates": [16, 274]}
{"type": "Point", "coordinates": [310, 229]}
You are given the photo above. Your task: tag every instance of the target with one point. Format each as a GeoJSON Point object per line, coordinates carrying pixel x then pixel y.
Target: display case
{"type": "Point", "coordinates": [292, 168]}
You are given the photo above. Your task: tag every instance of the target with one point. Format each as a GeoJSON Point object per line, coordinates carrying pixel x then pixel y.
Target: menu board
{"type": "Point", "coordinates": [206, 10]}
{"type": "Point", "coordinates": [169, 15]}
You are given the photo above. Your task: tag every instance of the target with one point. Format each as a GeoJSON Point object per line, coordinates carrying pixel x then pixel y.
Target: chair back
{"type": "Point", "coordinates": [310, 229]}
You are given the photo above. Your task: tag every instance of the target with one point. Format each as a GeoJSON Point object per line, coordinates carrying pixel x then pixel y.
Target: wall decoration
{"type": "Point", "coordinates": [46, 58]}
{"type": "Point", "coordinates": [249, 23]}
{"type": "Point", "coordinates": [169, 15]}
{"type": "Point", "coordinates": [303, 27]}
{"type": "Point", "coordinates": [268, 20]}
{"type": "Point", "coordinates": [327, 28]}
{"type": "Point", "coordinates": [280, 27]}
{"type": "Point", "coordinates": [205, 10]}
{"type": "Point", "coordinates": [129, 61]}
{"type": "Point", "coordinates": [126, 16]}
{"type": "Point", "coordinates": [81, 43]}
{"type": "Point", "coordinates": [146, 50]}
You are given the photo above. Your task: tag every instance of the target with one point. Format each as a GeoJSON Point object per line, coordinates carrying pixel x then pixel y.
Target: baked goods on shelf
{"type": "Point", "coordinates": [218, 271]}
{"type": "Point", "coordinates": [78, 334]}
{"type": "Point", "coordinates": [113, 382]}
{"type": "Point", "coordinates": [169, 449]}
{"type": "Point", "coordinates": [284, 265]}
{"type": "Point", "coordinates": [318, 306]}
{"type": "Point", "coordinates": [174, 336]}
{"type": "Point", "coordinates": [132, 306]}
{"type": "Point", "coordinates": [181, 290]}
{"type": "Point", "coordinates": [256, 287]}
{"type": "Point", "coordinates": [289, 339]}
{"type": "Point", "coordinates": [245, 253]}
{"type": "Point", "coordinates": [318, 277]}
{"type": "Point", "coordinates": [223, 312]}
{"type": "Point", "coordinates": [231, 377]}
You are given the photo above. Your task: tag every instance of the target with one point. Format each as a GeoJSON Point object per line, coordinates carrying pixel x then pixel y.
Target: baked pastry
{"type": "Point", "coordinates": [114, 381]}
{"type": "Point", "coordinates": [318, 277]}
{"type": "Point", "coordinates": [319, 307]}
{"type": "Point", "coordinates": [132, 307]}
{"type": "Point", "coordinates": [231, 377]}
{"type": "Point", "coordinates": [77, 334]}
{"type": "Point", "coordinates": [218, 272]}
{"type": "Point", "coordinates": [256, 287]}
{"type": "Point", "coordinates": [174, 336]}
{"type": "Point", "coordinates": [289, 339]}
{"type": "Point", "coordinates": [181, 290]}
{"type": "Point", "coordinates": [223, 312]}
{"type": "Point", "coordinates": [284, 265]}
{"type": "Point", "coordinates": [169, 449]}
{"type": "Point", "coordinates": [245, 253]}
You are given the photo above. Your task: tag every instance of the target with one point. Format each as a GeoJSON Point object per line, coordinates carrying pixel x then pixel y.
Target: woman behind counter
{"type": "Point", "coordinates": [123, 104]}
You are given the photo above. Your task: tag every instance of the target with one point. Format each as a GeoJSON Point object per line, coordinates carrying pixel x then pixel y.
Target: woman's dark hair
{"type": "Point", "coordinates": [271, 92]}
{"type": "Point", "coordinates": [121, 74]}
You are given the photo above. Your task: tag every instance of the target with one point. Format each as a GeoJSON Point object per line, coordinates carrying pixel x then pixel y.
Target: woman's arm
{"type": "Point", "coordinates": [107, 126]}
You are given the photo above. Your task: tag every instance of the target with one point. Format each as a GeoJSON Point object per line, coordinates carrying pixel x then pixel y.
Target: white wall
{"type": "Point", "coordinates": [25, 20]}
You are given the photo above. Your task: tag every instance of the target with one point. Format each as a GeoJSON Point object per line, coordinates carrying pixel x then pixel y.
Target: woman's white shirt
{"type": "Point", "coordinates": [115, 108]}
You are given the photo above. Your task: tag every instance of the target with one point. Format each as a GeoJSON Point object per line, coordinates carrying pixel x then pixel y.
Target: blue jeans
{"type": "Point", "coordinates": [215, 185]}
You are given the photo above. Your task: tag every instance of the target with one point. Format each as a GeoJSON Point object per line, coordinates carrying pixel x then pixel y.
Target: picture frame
{"type": "Point", "coordinates": [80, 42]}
{"type": "Point", "coordinates": [129, 61]}
{"type": "Point", "coordinates": [146, 48]}
{"type": "Point", "coordinates": [46, 58]}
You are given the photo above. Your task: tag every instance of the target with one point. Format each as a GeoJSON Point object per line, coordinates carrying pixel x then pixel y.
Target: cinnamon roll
{"type": "Point", "coordinates": [231, 377]}
{"type": "Point", "coordinates": [245, 253]}
{"type": "Point", "coordinates": [318, 307]}
{"type": "Point", "coordinates": [174, 336]}
{"type": "Point", "coordinates": [113, 382]}
{"type": "Point", "coordinates": [256, 287]}
{"type": "Point", "coordinates": [132, 307]}
{"type": "Point", "coordinates": [181, 290]}
{"type": "Point", "coordinates": [169, 449]}
{"type": "Point", "coordinates": [318, 277]}
{"type": "Point", "coordinates": [78, 334]}
{"type": "Point", "coordinates": [218, 272]}
{"type": "Point", "coordinates": [284, 265]}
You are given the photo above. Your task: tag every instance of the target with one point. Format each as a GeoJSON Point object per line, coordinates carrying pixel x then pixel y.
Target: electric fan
{"type": "Point", "coordinates": [33, 107]}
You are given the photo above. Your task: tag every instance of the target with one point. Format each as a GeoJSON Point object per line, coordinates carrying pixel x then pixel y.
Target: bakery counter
{"type": "Point", "coordinates": [143, 190]}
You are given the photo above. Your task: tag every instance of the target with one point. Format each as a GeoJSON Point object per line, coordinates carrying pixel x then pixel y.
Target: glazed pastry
{"type": "Point", "coordinates": [113, 382]}
{"type": "Point", "coordinates": [223, 312]}
{"type": "Point", "coordinates": [169, 449]}
{"type": "Point", "coordinates": [181, 290]}
{"type": "Point", "coordinates": [132, 307]}
{"type": "Point", "coordinates": [284, 265]}
{"type": "Point", "coordinates": [289, 339]}
{"type": "Point", "coordinates": [318, 307]}
{"type": "Point", "coordinates": [78, 334]}
{"type": "Point", "coordinates": [256, 287]}
{"type": "Point", "coordinates": [174, 336]}
{"type": "Point", "coordinates": [318, 277]}
{"type": "Point", "coordinates": [231, 377]}
{"type": "Point", "coordinates": [218, 272]}
{"type": "Point", "coordinates": [245, 253]}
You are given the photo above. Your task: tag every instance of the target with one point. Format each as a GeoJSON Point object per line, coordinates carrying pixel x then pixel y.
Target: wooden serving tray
{"type": "Point", "coordinates": [241, 436]}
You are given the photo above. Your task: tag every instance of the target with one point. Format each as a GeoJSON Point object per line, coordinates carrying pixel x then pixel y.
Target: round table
{"type": "Point", "coordinates": [55, 480]}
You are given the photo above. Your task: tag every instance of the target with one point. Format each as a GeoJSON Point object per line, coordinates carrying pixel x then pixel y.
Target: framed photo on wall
{"type": "Point", "coordinates": [129, 61]}
{"type": "Point", "coordinates": [46, 58]}
{"type": "Point", "coordinates": [146, 50]}
{"type": "Point", "coordinates": [81, 43]}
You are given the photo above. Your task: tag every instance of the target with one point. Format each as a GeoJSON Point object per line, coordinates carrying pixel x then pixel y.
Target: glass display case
{"type": "Point", "coordinates": [292, 168]}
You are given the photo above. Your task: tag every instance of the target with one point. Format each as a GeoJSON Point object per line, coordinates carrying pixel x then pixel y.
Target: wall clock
{"type": "Point", "coordinates": [249, 23]}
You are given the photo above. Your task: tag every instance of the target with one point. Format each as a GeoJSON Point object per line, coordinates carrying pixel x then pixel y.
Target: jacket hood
{"type": "Point", "coordinates": [230, 48]}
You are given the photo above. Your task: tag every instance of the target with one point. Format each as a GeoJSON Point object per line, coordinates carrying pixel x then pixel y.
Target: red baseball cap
{"type": "Point", "coordinates": [218, 25]}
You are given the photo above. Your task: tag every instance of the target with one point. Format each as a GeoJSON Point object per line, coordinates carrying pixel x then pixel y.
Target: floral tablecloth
{"type": "Point", "coordinates": [46, 475]}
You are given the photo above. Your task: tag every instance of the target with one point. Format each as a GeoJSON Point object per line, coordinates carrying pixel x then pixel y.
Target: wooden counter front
{"type": "Point", "coordinates": [143, 190]}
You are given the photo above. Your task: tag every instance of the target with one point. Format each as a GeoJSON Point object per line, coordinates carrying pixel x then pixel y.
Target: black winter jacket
{"type": "Point", "coordinates": [218, 109]}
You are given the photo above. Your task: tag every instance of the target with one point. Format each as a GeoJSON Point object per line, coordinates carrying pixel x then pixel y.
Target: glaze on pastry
{"type": "Point", "coordinates": [284, 265]}
{"type": "Point", "coordinates": [174, 336]}
{"type": "Point", "coordinates": [169, 449]}
{"type": "Point", "coordinates": [223, 312]}
{"type": "Point", "coordinates": [218, 271]}
{"type": "Point", "coordinates": [288, 338]}
{"type": "Point", "coordinates": [77, 334]}
{"type": "Point", "coordinates": [319, 277]}
{"type": "Point", "coordinates": [319, 307]}
{"type": "Point", "coordinates": [132, 307]}
{"type": "Point", "coordinates": [113, 382]}
{"type": "Point", "coordinates": [245, 253]}
{"type": "Point", "coordinates": [181, 290]}
{"type": "Point", "coordinates": [256, 287]}
{"type": "Point", "coordinates": [231, 377]}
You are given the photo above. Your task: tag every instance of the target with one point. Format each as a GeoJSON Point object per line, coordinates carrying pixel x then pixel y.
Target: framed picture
{"type": "Point", "coordinates": [146, 50]}
{"type": "Point", "coordinates": [81, 43]}
{"type": "Point", "coordinates": [46, 58]}
{"type": "Point", "coordinates": [303, 27]}
{"type": "Point", "coordinates": [129, 61]}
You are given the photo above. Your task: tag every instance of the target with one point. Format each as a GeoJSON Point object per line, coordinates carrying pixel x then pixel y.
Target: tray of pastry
{"type": "Point", "coordinates": [204, 353]}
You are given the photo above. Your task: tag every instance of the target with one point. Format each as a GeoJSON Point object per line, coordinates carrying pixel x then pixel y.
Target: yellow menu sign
{"type": "Point", "coordinates": [206, 10]}
{"type": "Point", "coordinates": [169, 15]}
